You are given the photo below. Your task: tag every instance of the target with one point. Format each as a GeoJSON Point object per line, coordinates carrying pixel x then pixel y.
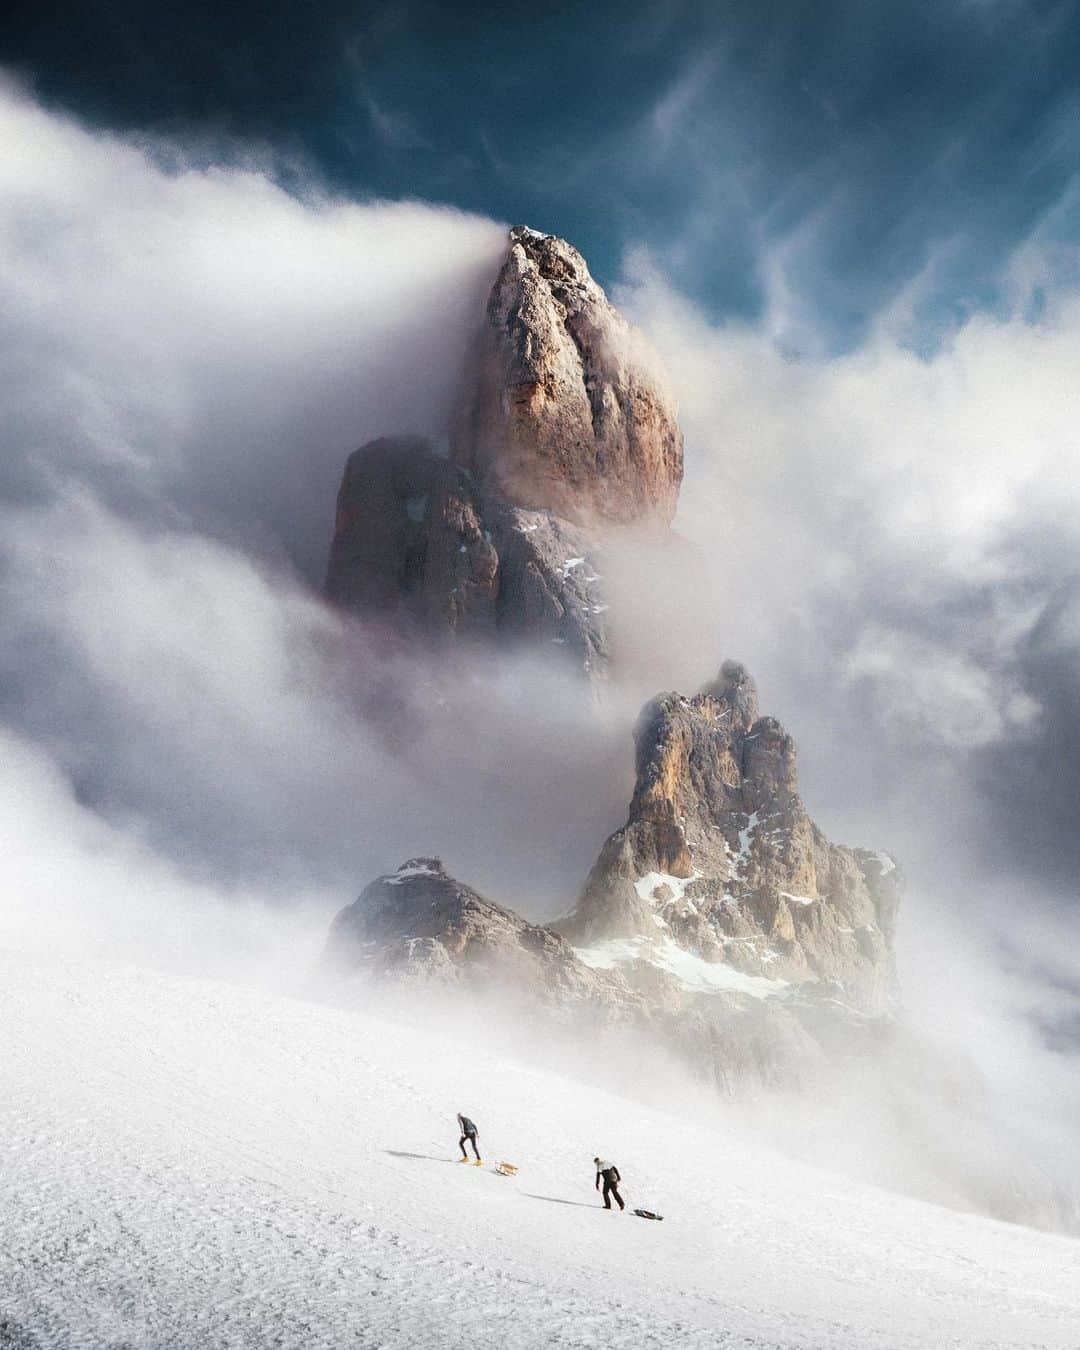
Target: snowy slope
{"type": "Point", "coordinates": [189, 1164]}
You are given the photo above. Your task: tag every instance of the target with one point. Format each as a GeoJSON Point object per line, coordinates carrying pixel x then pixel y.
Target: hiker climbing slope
{"type": "Point", "coordinates": [469, 1132]}
{"type": "Point", "coordinates": [609, 1173]}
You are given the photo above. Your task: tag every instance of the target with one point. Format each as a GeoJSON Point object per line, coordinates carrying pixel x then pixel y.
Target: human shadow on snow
{"type": "Point", "coordinates": [428, 1157]}
{"type": "Point", "coordinates": [556, 1200]}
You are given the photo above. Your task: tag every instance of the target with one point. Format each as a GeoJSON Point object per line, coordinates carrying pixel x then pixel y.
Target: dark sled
{"type": "Point", "coordinates": [647, 1214]}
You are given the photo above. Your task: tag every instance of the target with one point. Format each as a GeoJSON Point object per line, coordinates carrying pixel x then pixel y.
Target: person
{"type": "Point", "coordinates": [610, 1174]}
{"type": "Point", "coordinates": [469, 1132]}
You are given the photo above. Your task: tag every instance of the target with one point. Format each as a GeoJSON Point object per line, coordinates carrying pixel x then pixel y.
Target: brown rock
{"type": "Point", "coordinates": [419, 928]}
{"type": "Point", "coordinates": [568, 410]}
{"type": "Point", "coordinates": [720, 857]}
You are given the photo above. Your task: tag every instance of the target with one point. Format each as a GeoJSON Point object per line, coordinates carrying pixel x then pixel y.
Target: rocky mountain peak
{"type": "Point", "coordinates": [567, 409]}
{"type": "Point", "coordinates": [421, 923]}
{"type": "Point", "coordinates": [735, 687]}
{"type": "Point", "coordinates": [566, 428]}
{"type": "Point", "coordinates": [720, 864]}
{"type": "Point", "coordinates": [416, 539]}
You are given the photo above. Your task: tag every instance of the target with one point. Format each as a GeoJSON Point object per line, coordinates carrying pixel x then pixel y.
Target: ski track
{"type": "Point", "coordinates": [193, 1166]}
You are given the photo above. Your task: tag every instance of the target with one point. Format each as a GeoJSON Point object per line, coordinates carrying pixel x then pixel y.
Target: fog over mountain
{"type": "Point", "coordinates": [887, 538]}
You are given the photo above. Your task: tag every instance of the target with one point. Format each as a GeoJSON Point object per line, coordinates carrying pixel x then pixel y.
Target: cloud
{"type": "Point", "coordinates": [188, 355]}
{"type": "Point", "coordinates": [199, 339]}
{"type": "Point", "coordinates": [217, 709]}
{"type": "Point", "coordinates": [890, 543]}
{"type": "Point", "coordinates": [76, 884]}
{"type": "Point", "coordinates": [197, 744]}
{"type": "Point", "coordinates": [940, 697]}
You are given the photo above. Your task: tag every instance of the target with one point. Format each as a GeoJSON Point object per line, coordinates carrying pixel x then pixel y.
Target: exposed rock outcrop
{"type": "Point", "coordinates": [421, 928]}
{"type": "Point", "coordinates": [566, 429]}
{"type": "Point", "coordinates": [568, 410]}
{"type": "Point", "coordinates": [414, 537]}
{"type": "Point", "coordinates": [720, 870]}
{"type": "Point", "coordinates": [421, 924]}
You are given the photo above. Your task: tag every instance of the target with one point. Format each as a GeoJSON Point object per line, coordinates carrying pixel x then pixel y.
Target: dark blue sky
{"type": "Point", "coordinates": [861, 140]}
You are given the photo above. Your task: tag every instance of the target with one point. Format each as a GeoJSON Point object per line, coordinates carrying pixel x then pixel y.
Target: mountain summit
{"type": "Point", "coordinates": [567, 409]}
{"type": "Point", "coordinates": [719, 862]}
{"type": "Point", "coordinates": [565, 430]}
{"type": "Point", "coordinates": [718, 921]}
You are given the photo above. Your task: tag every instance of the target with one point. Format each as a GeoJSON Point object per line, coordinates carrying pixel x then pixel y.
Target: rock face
{"type": "Point", "coordinates": [419, 923]}
{"type": "Point", "coordinates": [416, 539]}
{"type": "Point", "coordinates": [421, 928]}
{"type": "Point", "coordinates": [719, 920]}
{"type": "Point", "coordinates": [568, 410]}
{"type": "Point", "coordinates": [719, 870]}
{"type": "Point", "coordinates": [566, 429]}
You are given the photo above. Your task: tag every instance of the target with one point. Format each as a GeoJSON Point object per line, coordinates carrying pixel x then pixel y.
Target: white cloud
{"type": "Point", "coordinates": [888, 486]}
{"type": "Point", "coordinates": [202, 338]}
{"type": "Point", "coordinates": [187, 355]}
{"type": "Point", "coordinates": [939, 696]}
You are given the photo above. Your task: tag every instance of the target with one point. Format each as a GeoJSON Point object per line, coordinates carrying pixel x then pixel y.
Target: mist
{"type": "Point", "coordinates": [203, 761]}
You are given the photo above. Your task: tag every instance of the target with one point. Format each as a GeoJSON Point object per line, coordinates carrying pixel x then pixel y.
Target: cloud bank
{"type": "Point", "coordinates": [202, 344]}
{"type": "Point", "coordinates": [892, 541]}
{"type": "Point", "coordinates": [187, 354]}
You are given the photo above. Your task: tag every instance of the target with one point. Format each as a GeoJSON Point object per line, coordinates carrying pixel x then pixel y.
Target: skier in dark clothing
{"type": "Point", "coordinates": [469, 1132]}
{"type": "Point", "coordinates": [610, 1174]}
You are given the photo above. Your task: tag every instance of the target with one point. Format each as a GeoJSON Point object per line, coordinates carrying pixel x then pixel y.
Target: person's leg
{"type": "Point", "coordinates": [615, 1193]}
{"type": "Point", "coordinates": [472, 1140]}
{"type": "Point", "coordinates": [607, 1193]}
{"type": "Point", "coordinates": [461, 1145]}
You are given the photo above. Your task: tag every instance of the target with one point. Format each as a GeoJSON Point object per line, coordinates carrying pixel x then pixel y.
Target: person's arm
{"type": "Point", "coordinates": [598, 1181]}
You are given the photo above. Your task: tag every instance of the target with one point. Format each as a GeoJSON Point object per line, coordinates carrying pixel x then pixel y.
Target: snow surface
{"type": "Point", "coordinates": [746, 834]}
{"type": "Point", "coordinates": [652, 881]}
{"type": "Point", "coordinates": [693, 971]}
{"type": "Point", "coordinates": [191, 1165]}
{"type": "Point", "coordinates": [404, 873]}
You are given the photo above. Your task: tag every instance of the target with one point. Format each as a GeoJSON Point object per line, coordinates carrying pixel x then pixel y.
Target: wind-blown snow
{"type": "Point", "coordinates": [189, 1164]}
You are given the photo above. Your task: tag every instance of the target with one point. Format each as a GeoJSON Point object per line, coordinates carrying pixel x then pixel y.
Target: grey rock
{"type": "Point", "coordinates": [415, 539]}
{"type": "Point", "coordinates": [421, 928]}
{"type": "Point", "coordinates": [421, 924]}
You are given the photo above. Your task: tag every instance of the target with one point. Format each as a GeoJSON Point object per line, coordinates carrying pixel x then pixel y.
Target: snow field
{"type": "Point", "coordinates": [189, 1165]}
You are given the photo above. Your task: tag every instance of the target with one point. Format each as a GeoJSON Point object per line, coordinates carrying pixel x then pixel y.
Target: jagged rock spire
{"type": "Point", "coordinates": [567, 409]}
{"type": "Point", "coordinates": [719, 858]}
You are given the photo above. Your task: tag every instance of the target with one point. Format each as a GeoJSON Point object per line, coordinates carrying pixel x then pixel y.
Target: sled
{"type": "Point", "coordinates": [647, 1214]}
{"type": "Point", "coordinates": [506, 1169]}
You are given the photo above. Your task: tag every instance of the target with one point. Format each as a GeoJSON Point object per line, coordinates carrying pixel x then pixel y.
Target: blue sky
{"type": "Point", "coordinates": [859, 150]}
